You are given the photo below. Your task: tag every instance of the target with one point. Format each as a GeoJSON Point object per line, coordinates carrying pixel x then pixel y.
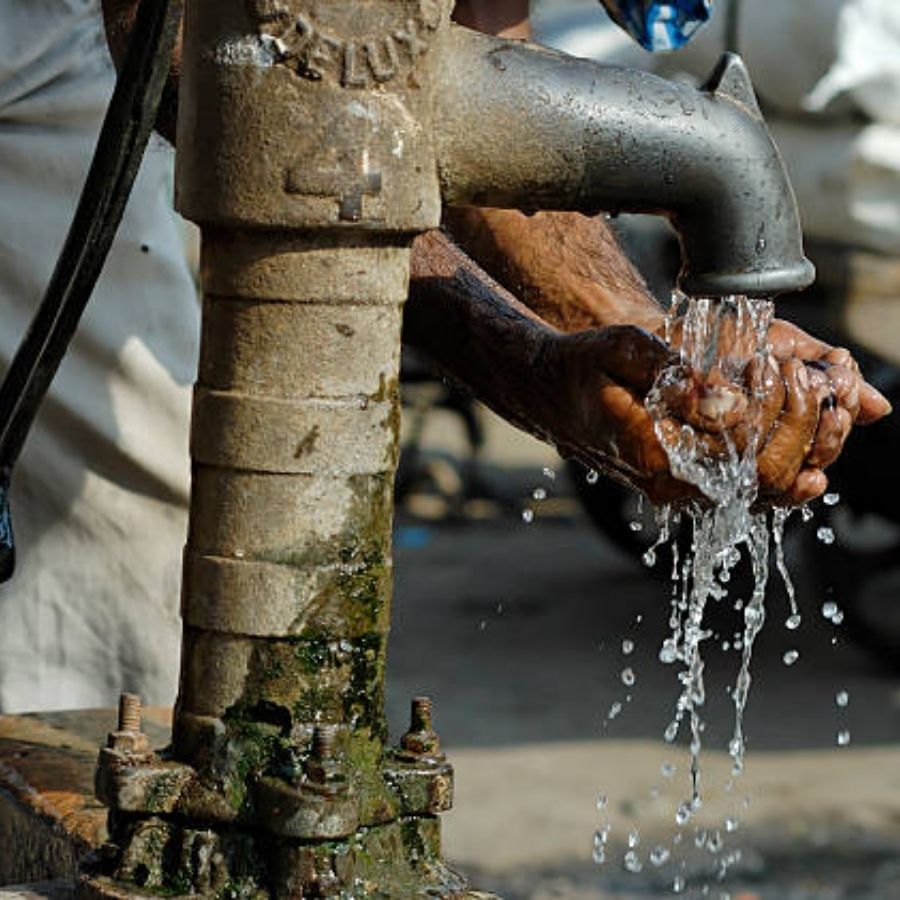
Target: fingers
{"type": "Point", "coordinates": [791, 439]}
{"type": "Point", "coordinates": [873, 405]}
{"type": "Point", "coordinates": [835, 425]}
{"type": "Point", "coordinates": [807, 486]}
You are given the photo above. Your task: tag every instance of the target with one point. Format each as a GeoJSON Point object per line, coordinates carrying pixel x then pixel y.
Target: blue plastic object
{"type": "Point", "coordinates": [659, 24]}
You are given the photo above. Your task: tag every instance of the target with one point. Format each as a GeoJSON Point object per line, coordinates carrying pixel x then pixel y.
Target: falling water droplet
{"type": "Point", "coordinates": [627, 647]}
{"type": "Point", "coordinates": [527, 516]}
{"type": "Point", "coordinates": [806, 513]}
{"type": "Point", "coordinates": [592, 477]}
{"type": "Point", "coordinates": [832, 499]}
{"type": "Point", "coordinates": [636, 526]}
{"type": "Point", "coordinates": [732, 825]}
{"type": "Point", "coordinates": [678, 884]}
{"type": "Point", "coordinates": [634, 838]}
{"type": "Point", "coordinates": [667, 769]}
{"type": "Point", "coordinates": [633, 862]}
{"type": "Point", "coordinates": [649, 558]}
{"type": "Point", "coordinates": [838, 617]}
{"type": "Point", "coordinates": [602, 801]}
{"type": "Point", "coordinates": [825, 535]}
{"type": "Point", "coordinates": [668, 653]}
{"type": "Point", "coordinates": [842, 698]}
{"type": "Point", "coordinates": [549, 473]}
{"type": "Point", "coordinates": [539, 494]}
{"type": "Point", "coordinates": [671, 732]}
{"type": "Point", "coordinates": [628, 677]}
{"type": "Point", "coordinates": [614, 710]}
{"type": "Point", "coordinates": [684, 813]}
{"type": "Point", "coordinates": [829, 609]}
{"type": "Point", "coordinates": [790, 657]}
{"type": "Point", "coordinates": [659, 855]}
{"type": "Point", "coordinates": [793, 622]}
{"type": "Point", "coordinates": [843, 738]}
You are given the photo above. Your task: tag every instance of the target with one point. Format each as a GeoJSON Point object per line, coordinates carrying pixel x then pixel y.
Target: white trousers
{"type": "Point", "coordinates": [100, 494]}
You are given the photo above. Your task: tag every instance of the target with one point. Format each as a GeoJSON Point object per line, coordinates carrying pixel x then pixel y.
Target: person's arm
{"type": "Point", "coordinates": [585, 392]}
{"type": "Point", "coordinates": [504, 18]}
{"type": "Point", "coordinates": [118, 19]}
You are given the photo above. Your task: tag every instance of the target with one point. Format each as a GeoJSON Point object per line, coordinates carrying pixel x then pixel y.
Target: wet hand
{"type": "Point", "coordinates": [598, 381]}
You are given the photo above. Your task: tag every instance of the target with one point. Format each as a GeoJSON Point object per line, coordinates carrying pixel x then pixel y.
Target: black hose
{"type": "Point", "coordinates": [123, 139]}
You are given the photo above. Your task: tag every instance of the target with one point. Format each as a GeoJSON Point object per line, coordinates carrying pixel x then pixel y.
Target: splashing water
{"type": "Point", "coordinates": [723, 371]}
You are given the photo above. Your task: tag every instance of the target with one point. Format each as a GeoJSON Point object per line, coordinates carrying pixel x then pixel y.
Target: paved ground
{"type": "Point", "coordinates": [516, 630]}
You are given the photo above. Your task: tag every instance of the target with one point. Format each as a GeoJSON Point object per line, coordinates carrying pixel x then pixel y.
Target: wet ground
{"type": "Point", "coordinates": [517, 632]}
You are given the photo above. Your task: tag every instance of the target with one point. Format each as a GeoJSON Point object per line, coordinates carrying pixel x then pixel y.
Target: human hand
{"type": "Point", "coordinates": [798, 403]}
{"type": "Point", "coordinates": [811, 395]}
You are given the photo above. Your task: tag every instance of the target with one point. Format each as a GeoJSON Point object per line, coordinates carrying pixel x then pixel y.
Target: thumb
{"type": "Point", "coordinates": [628, 354]}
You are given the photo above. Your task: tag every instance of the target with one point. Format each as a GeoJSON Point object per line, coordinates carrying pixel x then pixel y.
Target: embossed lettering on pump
{"type": "Point", "coordinates": [316, 51]}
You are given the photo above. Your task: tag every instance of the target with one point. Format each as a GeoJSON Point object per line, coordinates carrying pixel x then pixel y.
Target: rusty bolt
{"type": "Point", "coordinates": [323, 769]}
{"type": "Point", "coordinates": [323, 743]}
{"type": "Point", "coordinates": [130, 713]}
{"type": "Point", "coordinates": [128, 737]}
{"type": "Point", "coordinates": [421, 741]}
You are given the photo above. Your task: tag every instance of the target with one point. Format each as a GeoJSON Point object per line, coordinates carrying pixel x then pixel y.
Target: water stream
{"type": "Point", "coordinates": [722, 370]}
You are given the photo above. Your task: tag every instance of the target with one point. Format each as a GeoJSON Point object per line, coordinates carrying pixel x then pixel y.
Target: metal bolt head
{"type": "Point", "coordinates": [421, 741]}
{"type": "Point", "coordinates": [128, 737]}
{"type": "Point", "coordinates": [323, 768]}
{"type": "Point", "coordinates": [130, 713]}
{"type": "Point", "coordinates": [421, 715]}
{"type": "Point", "coordinates": [323, 742]}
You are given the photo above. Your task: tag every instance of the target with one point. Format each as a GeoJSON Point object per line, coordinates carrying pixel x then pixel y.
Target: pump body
{"type": "Point", "coordinates": [316, 138]}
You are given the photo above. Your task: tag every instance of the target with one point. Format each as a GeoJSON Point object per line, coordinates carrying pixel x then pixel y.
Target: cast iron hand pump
{"type": "Point", "coordinates": [315, 140]}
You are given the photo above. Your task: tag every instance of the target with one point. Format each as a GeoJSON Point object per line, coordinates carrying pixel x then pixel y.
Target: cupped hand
{"type": "Point", "coordinates": [810, 396]}
{"type": "Point", "coordinates": [800, 402]}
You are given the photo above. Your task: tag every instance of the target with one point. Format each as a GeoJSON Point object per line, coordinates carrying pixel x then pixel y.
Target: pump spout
{"type": "Point", "coordinates": [522, 126]}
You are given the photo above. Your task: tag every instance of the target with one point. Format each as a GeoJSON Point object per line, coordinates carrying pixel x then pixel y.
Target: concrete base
{"type": "Point", "coordinates": [49, 818]}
